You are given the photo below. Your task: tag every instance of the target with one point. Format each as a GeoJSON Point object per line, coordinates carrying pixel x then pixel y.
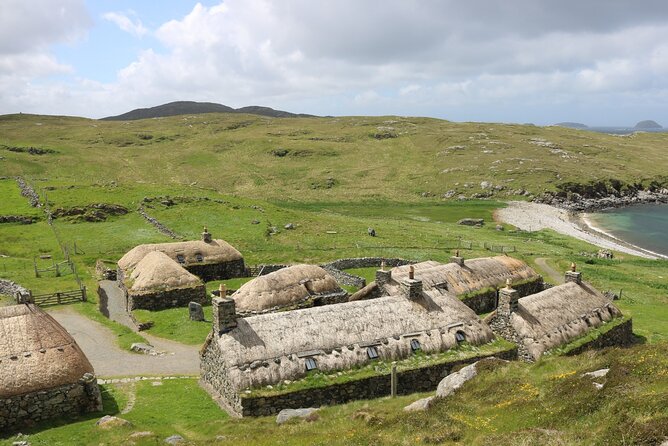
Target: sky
{"type": "Point", "coordinates": [598, 62]}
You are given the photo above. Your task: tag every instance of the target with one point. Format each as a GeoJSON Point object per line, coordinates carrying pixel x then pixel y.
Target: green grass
{"type": "Point", "coordinates": [175, 324]}
{"type": "Point", "coordinates": [13, 203]}
{"type": "Point", "coordinates": [591, 335]}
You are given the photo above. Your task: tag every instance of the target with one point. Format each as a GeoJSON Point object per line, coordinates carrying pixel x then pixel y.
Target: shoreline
{"type": "Point", "coordinates": [530, 216]}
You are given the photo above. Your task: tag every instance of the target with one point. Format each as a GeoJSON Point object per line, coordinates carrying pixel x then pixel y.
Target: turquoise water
{"type": "Point", "coordinates": [644, 225]}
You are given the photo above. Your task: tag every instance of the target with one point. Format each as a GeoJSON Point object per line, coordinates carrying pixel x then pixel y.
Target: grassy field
{"type": "Point", "coordinates": [334, 180]}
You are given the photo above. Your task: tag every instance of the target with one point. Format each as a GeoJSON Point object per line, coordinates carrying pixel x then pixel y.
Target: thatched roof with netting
{"type": "Point", "coordinates": [156, 271]}
{"type": "Point", "coordinates": [285, 287]}
{"type": "Point", "coordinates": [560, 314]}
{"type": "Point", "coordinates": [36, 353]}
{"type": "Point", "coordinates": [195, 252]}
{"type": "Point", "coordinates": [272, 347]}
{"type": "Point", "coordinates": [476, 274]}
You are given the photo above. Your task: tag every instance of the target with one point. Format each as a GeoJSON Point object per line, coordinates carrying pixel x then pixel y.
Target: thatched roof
{"type": "Point", "coordinates": [476, 274]}
{"type": "Point", "coordinates": [156, 271]}
{"type": "Point", "coordinates": [217, 251]}
{"type": "Point", "coordinates": [36, 353]}
{"type": "Point", "coordinates": [284, 287]}
{"type": "Point", "coordinates": [560, 314]}
{"type": "Point", "coordinates": [269, 348]}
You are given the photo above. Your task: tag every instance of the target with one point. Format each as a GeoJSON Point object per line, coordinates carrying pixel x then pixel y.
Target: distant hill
{"type": "Point", "coordinates": [648, 125]}
{"type": "Point", "coordinates": [572, 125]}
{"type": "Point", "coordinates": [191, 108]}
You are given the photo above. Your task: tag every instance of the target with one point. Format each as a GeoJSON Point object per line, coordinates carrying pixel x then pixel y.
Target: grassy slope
{"type": "Point", "coordinates": [375, 184]}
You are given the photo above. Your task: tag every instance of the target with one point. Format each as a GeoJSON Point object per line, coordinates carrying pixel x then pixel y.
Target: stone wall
{"type": "Point", "coordinates": [214, 377]}
{"type": "Point", "coordinates": [20, 411]}
{"type": "Point", "coordinates": [9, 288]}
{"type": "Point", "coordinates": [487, 301]}
{"type": "Point", "coordinates": [161, 300]}
{"type": "Point", "coordinates": [218, 271]}
{"type": "Point", "coordinates": [336, 268]}
{"type": "Point", "coordinates": [409, 381]}
{"type": "Point", "coordinates": [619, 336]}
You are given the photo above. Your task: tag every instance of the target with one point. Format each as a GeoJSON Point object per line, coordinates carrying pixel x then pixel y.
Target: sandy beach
{"type": "Point", "coordinates": [535, 216]}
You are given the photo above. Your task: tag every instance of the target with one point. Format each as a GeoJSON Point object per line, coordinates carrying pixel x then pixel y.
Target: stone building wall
{"type": "Point", "coordinates": [409, 381]}
{"type": "Point", "coordinates": [422, 379]}
{"type": "Point", "coordinates": [487, 301]}
{"type": "Point", "coordinates": [19, 411]}
{"type": "Point", "coordinates": [218, 271]}
{"type": "Point", "coordinates": [161, 300]}
{"type": "Point", "coordinates": [619, 336]}
{"type": "Point", "coordinates": [336, 268]}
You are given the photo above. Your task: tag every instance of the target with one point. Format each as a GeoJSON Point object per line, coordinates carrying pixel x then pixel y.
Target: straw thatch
{"type": "Point", "coordinates": [156, 271]}
{"type": "Point", "coordinates": [217, 251]}
{"type": "Point", "coordinates": [269, 348]}
{"type": "Point", "coordinates": [36, 353]}
{"type": "Point", "coordinates": [560, 314]}
{"type": "Point", "coordinates": [476, 274]}
{"type": "Point", "coordinates": [285, 287]}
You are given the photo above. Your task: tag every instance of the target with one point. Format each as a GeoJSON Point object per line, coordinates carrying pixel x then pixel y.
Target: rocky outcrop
{"type": "Point", "coordinates": [91, 213]}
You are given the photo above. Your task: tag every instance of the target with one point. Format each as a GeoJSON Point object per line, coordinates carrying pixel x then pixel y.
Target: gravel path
{"type": "Point", "coordinates": [535, 216]}
{"type": "Point", "coordinates": [552, 273]}
{"type": "Point", "coordinates": [112, 303]}
{"type": "Point", "coordinates": [108, 359]}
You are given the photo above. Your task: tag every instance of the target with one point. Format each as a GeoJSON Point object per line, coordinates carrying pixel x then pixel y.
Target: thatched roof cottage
{"type": "Point", "coordinates": [474, 281]}
{"type": "Point", "coordinates": [157, 282]}
{"type": "Point", "coordinates": [165, 275]}
{"type": "Point", "coordinates": [43, 372]}
{"type": "Point", "coordinates": [290, 287]}
{"type": "Point", "coordinates": [208, 258]}
{"type": "Point", "coordinates": [273, 347]}
{"type": "Point", "coordinates": [560, 314]}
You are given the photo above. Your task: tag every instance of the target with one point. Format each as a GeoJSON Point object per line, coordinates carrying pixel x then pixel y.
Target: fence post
{"type": "Point", "coordinates": [393, 380]}
{"type": "Point", "coordinates": [84, 298]}
{"type": "Point", "coordinates": [58, 296]}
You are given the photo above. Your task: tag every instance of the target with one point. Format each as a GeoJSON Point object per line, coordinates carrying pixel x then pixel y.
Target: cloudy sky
{"type": "Point", "coordinates": [600, 62]}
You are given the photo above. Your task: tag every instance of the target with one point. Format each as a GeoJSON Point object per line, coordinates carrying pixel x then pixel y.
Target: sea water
{"type": "Point", "coordinates": [644, 225]}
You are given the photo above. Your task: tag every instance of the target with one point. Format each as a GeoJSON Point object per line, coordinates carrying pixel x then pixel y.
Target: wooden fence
{"type": "Point", "coordinates": [59, 297]}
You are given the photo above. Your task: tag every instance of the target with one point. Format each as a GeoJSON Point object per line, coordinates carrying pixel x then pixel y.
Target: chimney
{"type": "Point", "coordinates": [206, 236]}
{"type": "Point", "coordinates": [457, 259]}
{"type": "Point", "coordinates": [383, 277]}
{"type": "Point", "coordinates": [508, 301]}
{"type": "Point", "coordinates": [573, 276]}
{"type": "Point", "coordinates": [224, 312]}
{"type": "Point", "coordinates": [411, 287]}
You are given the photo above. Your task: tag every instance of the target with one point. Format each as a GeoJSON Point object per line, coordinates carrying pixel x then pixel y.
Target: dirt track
{"type": "Point", "coordinates": [108, 359]}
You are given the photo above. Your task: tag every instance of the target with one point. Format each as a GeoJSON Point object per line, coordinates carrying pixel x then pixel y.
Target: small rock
{"type": "Point", "coordinates": [141, 434]}
{"type": "Point", "coordinates": [419, 405]}
{"type": "Point", "coordinates": [288, 414]}
{"type": "Point", "coordinates": [596, 374]}
{"type": "Point", "coordinates": [289, 226]}
{"type": "Point", "coordinates": [449, 194]}
{"type": "Point", "coordinates": [140, 347]}
{"type": "Point", "coordinates": [255, 222]}
{"type": "Point", "coordinates": [21, 443]}
{"type": "Point", "coordinates": [499, 228]}
{"type": "Point", "coordinates": [174, 439]}
{"type": "Point", "coordinates": [110, 421]}
{"type": "Point", "coordinates": [485, 185]}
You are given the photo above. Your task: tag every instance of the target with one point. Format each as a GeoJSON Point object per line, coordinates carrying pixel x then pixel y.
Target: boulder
{"type": "Point", "coordinates": [289, 226]}
{"type": "Point", "coordinates": [454, 381]}
{"type": "Point", "coordinates": [195, 311]}
{"type": "Point", "coordinates": [288, 414]}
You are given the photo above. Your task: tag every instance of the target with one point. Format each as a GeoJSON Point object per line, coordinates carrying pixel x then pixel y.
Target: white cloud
{"type": "Point", "coordinates": [125, 23]}
{"type": "Point", "coordinates": [382, 56]}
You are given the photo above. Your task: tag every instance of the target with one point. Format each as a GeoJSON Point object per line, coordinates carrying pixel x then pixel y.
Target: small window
{"type": "Point", "coordinates": [310, 364]}
{"type": "Point", "coordinates": [180, 258]}
{"type": "Point", "coordinates": [460, 337]}
{"type": "Point", "coordinates": [415, 345]}
{"type": "Point", "coordinates": [372, 352]}
{"type": "Point", "coordinates": [199, 258]}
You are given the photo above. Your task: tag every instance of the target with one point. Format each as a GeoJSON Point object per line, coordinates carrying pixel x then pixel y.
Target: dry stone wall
{"type": "Point", "coordinates": [72, 399]}
{"type": "Point", "coordinates": [218, 271]}
{"type": "Point", "coordinates": [621, 335]}
{"type": "Point", "coordinates": [9, 288]}
{"type": "Point", "coordinates": [164, 299]}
